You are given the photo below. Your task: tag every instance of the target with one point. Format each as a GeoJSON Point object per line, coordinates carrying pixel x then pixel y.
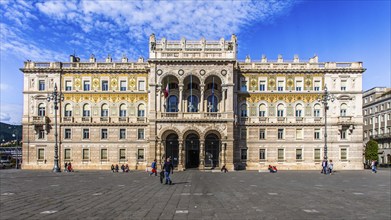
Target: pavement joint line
{"type": "Point", "coordinates": [181, 211]}
{"type": "Point", "coordinates": [197, 194]}
{"type": "Point", "coordinates": [185, 194]}
{"type": "Point", "coordinates": [49, 212]}
{"type": "Point", "coordinates": [7, 194]}
{"type": "Point", "coordinates": [273, 194]}
{"type": "Point", "coordinates": [121, 185]}
{"type": "Point", "coordinates": [253, 185]}
{"type": "Point", "coordinates": [310, 210]}
{"type": "Point", "coordinates": [357, 193]}
{"type": "Point", "coordinates": [318, 185]}
{"type": "Point", "coordinates": [97, 194]}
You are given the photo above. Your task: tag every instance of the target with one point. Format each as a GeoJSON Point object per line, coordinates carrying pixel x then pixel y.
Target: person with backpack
{"type": "Point", "coordinates": [168, 168]}
{"type": "Point", "coordinates": [154, 168]}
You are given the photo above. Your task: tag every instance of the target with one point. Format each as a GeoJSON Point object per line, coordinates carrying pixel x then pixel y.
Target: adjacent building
{"type": "Point", "coordinates": [377, 120]}
{"type": "Point", "coordinates": [195, 102]}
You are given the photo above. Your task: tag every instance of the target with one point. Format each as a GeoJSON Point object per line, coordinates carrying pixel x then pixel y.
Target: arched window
{"type": "Point", "coordinates": [280, 110]}
{"type": "Point", "coordinates": [172, 104]}
{"type": "Point", "coordinates": [141, 110]}
{"type": "Point", "coordinates": [122, 110]}
{"type": "Point", "coordinates": [344, 109]}
{"type": "Point", "coordinates": [243, 110]}
{"type": "Point", "coordinates": [262, 110]}
{"type": "Point", "coordinates": [68, 110]}
{"type": "Point", "coordinates": [317, 110]}
{"type": "Point", "coordinates": [104, 111]}
{"type": "Point", "coordinates": [212, 103]}
{"type": "Point", "coordinates": [299, 110]}
{"type": "Point", "coordinates": [192, 104]}
{"type": "Point", "coordinates": [41, 110]}
{"type": "Point", "coordinates": [86, 110]}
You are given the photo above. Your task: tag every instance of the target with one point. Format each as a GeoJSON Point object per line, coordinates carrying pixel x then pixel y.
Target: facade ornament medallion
{"type": "Point", "coordinates": [202, 72]}
{"type": "Point", "coordinates": [159, 72]}
{"type": "Point", "coordinates": [223, 72]}
{"type": "Point", "coordinates": [181, 72]}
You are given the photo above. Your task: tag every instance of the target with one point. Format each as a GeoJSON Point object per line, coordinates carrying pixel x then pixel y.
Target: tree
{"type": "Point", "coordinates": [371, 149]}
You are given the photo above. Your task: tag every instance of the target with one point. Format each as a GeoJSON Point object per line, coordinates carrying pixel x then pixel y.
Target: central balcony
{"type": "Point", "coordinates": [192, 115]}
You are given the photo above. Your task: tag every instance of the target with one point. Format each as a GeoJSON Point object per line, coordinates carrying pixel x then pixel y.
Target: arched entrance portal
{"type": "Point", "coordinates": [192, 147]}
{"type": "Point", "coordinates": [172, 148]}
{"type": "Point", "coordinates": [212, 150]}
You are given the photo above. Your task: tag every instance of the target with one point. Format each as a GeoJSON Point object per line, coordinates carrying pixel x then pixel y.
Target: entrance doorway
{"type": "Point", "coordinates": [172, 149]}
{"type": "Point", "coordinates": [212, 151]}
{"type": "Point", "coordinates": [192, 151]}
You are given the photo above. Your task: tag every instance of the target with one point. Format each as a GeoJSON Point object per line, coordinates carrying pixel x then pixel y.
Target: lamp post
{"type": "Point", "coordinates": [15, 135]}
{"type": "Point", "coordinates": [325, 98]}
{"type": "Point", "coordinates": [56, 97]}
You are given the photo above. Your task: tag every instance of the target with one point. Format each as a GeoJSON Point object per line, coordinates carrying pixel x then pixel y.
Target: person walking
{"type": "Point", "coordinates": [168, 168]}
{"type": "Point", "coordinates": [112, 168]}
{"type": "Point", "coordinates": [116, 168]}
{"type": "Point", "coordinates": [331, 166]}
{"type": "Point", "coordinates": [123, 168]}
{"type": "Point", "coordinates": [66, 167]}
{"type": "Point", "coordinates": [324, 166]}
{"type": "Point", "coordinates": [154, 168]}
{"type": "Point", "coordinates": [373, 165]}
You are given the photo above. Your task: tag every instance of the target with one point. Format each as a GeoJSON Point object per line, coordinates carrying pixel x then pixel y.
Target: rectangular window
{"type": "Point", "coordinates": [262, 154]}
{"type": "Point", "coordinates": [122, 85]}
{"type": "Point", "coordinates": [316, 112]}
{"type": "Point", "coordinates": [86, 154]}
{"type": "Point", "coordinates": [317, 133]}
{"type": "Point", "coordinates": [67, 154]}
{"type": "Point", "coordinates": [41, 134]}
{"type": "Point", "coordinates": [122, 154]}
{"type": "Point", "coordinates": [86, 133]}
{"type": "Point", "coordinates": [243, 133]}
{"type": "Point", "coordinates": [104, 133]}
{"type": "Point", "coordinates": [280, 154]}
{"type": "Point", "coordinates": [343, 112]}
{"type": "Point", "coordinates": [299, 134]}
{"type": "Point", "coordinates": [317, 154]}
{"type": "Point", "coordinates": [140, 154]}
{"type": "Point", "coordinates": [68, 85]}
{"type": "Point", "coordinates": [298, 112]}
{"type": "Point", "coordinates": [343, 85]}
{"type": "Point", "coordinates": [317, 85]}
{"type": "Point", "coordinates": [344, 132]}
{"type": "Point", "coordinates": [243, 154]}
{"type": "Point", "coordinates": [105, 85]}
{"type": "Point", "coordinates": [141, 85]}
{"type": "Point", "coordinates": [299, 154]}
{"type": "Point", "coordinates": [86, 85]}
{"type": "Point", "coordinates": [280, 113]}
{"type": "Point", "coordinates": [280, 133]}
{"type": "Point", "coordinates": [103, 154]}
{"type": "Point", "coordinates": [41, 154]}
{"type": "Point", "coordinates": [262, 86]}
{"type": "Point", "coordinates": [67, 133]}
{"type": "Point", "coordinates": [41, 85]}
{"type": "Point", "coordinates": [243, 84]}
{"type": "Point", "coordinates": [344, 155]}
{"type": "Point", "coordinates": [280, 85]}
{"type": "Point", "coordinates": [299, 85]}
{"type": "Point", "coordinates": [262, 134]}
{"type": "Point", "coordinates": [122, 133]}
{"type": "Point", "coordinates": [140, 134]}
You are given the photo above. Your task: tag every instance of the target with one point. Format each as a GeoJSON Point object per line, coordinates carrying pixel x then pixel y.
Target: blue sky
{"type": "Point", "coordinates": [337, 31]}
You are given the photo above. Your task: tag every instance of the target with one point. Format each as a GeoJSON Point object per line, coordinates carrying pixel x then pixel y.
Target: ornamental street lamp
{"type": "Point", "coordinates": [15, 135]}
{"type": "Point", "coordinates": [325, 98]}
{"type": "Point", "coordinates": [56, 97]}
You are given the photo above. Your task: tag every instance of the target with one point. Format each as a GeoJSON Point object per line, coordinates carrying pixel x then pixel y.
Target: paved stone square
{"type": "Point", "coordinates": [195, 195]}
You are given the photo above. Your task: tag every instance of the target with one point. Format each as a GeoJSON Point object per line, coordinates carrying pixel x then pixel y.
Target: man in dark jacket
{"type": "Point", "coordinates": [168, 168]}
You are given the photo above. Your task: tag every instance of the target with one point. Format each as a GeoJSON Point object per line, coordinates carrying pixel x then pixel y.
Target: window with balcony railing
{"type": "Point", "coordinates": [41, 85]}
{"type": "Point", "coordinates": [105, 85]}
{"type": "Point", "coordinates": [41, 110]}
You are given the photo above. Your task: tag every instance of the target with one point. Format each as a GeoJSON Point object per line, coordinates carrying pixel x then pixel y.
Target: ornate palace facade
{"type": "Point", "coordinates": [195, 102]}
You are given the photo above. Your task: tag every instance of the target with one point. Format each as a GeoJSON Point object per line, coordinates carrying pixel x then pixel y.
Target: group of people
{"type": "Point", "coordinates": [68, 167]}
{"type": "Point", "coordinates": [272, 169]}
{"type": "Point", "coordinates": [167, 169]}
{"type": "Point", "coordinates": [124, 168]}
{"type": "Point", "coordinates": [327, 167]}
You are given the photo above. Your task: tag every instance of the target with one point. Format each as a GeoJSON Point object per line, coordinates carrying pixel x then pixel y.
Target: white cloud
{"type": "Point", "coordinates": [4, 87]}
{"type": "Point", "coordinates": [11, 113]}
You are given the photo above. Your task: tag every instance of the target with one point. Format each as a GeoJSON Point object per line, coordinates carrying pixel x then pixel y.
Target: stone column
{"type": "Point", "coordinates": [180, 105]}
{"type": "Point", "coordinates": [162, 152]}
{"type": "Point", "coordinates": [159, 98]}
{"type": "Point", "coordinates": [180, 156]}
{"type": "Point", "coordinates": [202, 154]}
{"type": "Point", "coordinates": [385, 123]}
{"type": "Point", "coordinates": [202, 86]}
{"type": "Point", "coordinates": [223, 99]}
{"type": "Point", "coordinates": [379, 125]}
{"type": "Point", "coordinates": [223, 153]}
{"type": "Point", "coordinates": [159, 152]}
{"type": "Point", "coordinates": [373, 126]}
